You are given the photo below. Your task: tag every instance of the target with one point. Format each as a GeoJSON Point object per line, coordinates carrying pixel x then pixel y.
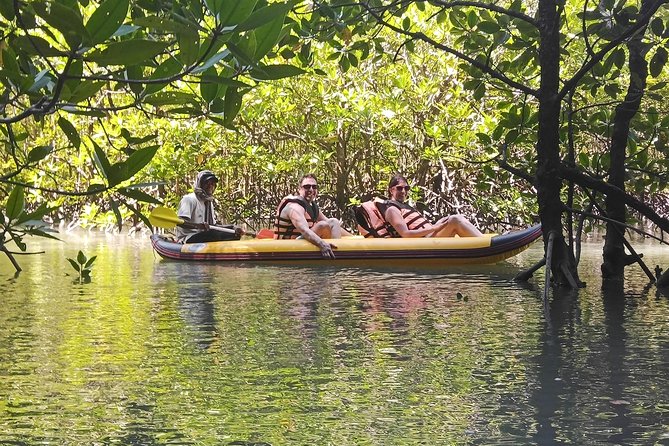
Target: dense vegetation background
{"type": "Point", "coordinates": [503, 111]}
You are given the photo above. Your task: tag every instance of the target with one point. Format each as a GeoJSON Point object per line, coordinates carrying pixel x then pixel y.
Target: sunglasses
{"type": "Point", "coordinates": [404, 188]}
{"type": "Point", "coordinates": [310, 186]}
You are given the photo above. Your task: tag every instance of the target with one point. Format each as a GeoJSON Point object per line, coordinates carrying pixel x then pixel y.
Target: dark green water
{"type": "Point", "coordinates": [158, 352]}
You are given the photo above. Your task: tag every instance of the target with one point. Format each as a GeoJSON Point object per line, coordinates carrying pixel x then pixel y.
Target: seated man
{"type": "Point", "coordinates": [299, 216]}
{"type": "Point", "coordinates": [197, 211]}
{"type": "Point", "coordinates": [395, 218]}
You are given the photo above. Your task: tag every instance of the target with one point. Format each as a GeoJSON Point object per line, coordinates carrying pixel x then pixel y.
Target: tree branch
{"type": "Point", "coordinates": [599, 55]}
{"type": "Point", "coordinates": [586, 181]}
{"type": "Point", "coordinates": [447, 49]}
{"type": "Point", "coordinates": [489, 7]}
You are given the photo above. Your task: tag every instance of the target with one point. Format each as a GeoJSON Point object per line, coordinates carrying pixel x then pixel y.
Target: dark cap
{"type": "Point", "coordinates": [208, 177]}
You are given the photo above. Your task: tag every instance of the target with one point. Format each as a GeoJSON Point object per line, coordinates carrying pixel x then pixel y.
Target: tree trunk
{"type": "Point", "coordinates": [614, 258]}
{"type": "Point", "coordinates": [548, 181]}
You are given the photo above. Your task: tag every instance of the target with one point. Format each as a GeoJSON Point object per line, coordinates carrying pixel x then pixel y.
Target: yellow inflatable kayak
{"type": "Point", "coordinates": [445, 250]}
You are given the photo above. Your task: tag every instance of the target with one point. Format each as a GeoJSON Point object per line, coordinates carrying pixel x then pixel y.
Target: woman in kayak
{"type": "Point", "coordinates": [395, 218]}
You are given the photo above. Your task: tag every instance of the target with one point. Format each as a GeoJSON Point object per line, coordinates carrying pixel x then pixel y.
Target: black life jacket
{"type": "Point", "coordinates": [283, 227]}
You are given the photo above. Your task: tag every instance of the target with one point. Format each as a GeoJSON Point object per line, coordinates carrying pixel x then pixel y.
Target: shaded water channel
{"type": "Point", "coordinates": [160, 352]}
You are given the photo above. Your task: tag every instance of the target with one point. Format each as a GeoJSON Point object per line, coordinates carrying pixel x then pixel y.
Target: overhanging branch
{"type": "Point", "coordinates": [599, 55]}
{"type": "Point", "coordinates": [586, 181]}
{"type": "Point", "coordinates": [447, 49]}
{"type": "Point", "coordinates": [489, 7]}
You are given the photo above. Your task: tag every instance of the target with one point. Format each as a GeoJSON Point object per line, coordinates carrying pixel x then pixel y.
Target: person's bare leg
{"type": "Point", "coordinates": [458, 225]}
{"type": "Point", "coordinates": [327, 228]}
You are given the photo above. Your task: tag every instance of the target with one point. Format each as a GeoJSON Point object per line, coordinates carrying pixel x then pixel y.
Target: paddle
{"type": "Point", "coordinates": [163, 217]}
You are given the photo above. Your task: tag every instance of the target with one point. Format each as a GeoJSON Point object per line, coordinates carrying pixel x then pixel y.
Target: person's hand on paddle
{"type": "Point", "coordinates": [327, 249]}
{"type": "Point", "coordinates": [239, 232]}
{"type": "Point", "coordinates": [204, 226]}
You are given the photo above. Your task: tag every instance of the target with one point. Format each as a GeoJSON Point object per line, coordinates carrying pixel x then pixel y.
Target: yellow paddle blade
{"type": "Point", "coordinates": [163, 217]}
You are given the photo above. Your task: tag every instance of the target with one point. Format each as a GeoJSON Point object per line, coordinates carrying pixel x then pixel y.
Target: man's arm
{"type": "Point", "coordinates": [186, 210]}
{"type": "Point", "coordinates": [296, 216]}
{"type": "Point", "coordinates": [394, 217]}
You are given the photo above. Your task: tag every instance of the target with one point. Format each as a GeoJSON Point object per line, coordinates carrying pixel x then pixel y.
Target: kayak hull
{"type": "Point", "coordinates": [444, 250]}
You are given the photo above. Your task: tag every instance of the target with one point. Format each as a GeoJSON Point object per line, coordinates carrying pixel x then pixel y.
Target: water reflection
{"type": "Point", "coordinates": [194, 292]}
{"type": "Point", "coordinates": [156, 352]}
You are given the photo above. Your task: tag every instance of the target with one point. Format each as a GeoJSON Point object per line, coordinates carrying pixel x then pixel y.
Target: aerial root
{"type": "Point", "coordinates": [524, 276]}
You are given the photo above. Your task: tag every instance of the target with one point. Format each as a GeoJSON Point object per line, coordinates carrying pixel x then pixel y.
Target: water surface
{"type": "Point", "coordinates": [162, 352]}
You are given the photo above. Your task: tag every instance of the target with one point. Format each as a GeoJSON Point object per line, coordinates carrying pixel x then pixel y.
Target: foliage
{"type": "Point", "coordinates": [546, 68]}
{"type": "Point", "coordinates": [16, 223]}
{"type": "Point", "coordinates": [83, 266]}
{"type": "Point", "coordinates": [81, 67]}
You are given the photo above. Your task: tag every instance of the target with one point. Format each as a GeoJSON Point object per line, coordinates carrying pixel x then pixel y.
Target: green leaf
{"type": "Point", "coordinates": [612, 90]}
{"type": "Point", "coordinates": [232, 12]}
{"type": "Point", "coordinates": [479, 92]}
{"type": "Point", "coordinates": [35, 45]}
{"type": "Point", "coordinates": [39, 153]}
{"type": "Point", "coordinates": [344, 63]}
{"type": "Point", "coordinates": [511, 136]}
{"type": "Point", "coordinates": [265, 15]}
{"type": "Point", "coordinates": [9, 64]}
{"type": "Point", "coordinates": [117, 214]}
{"type": "Point", "coordinates": [137, 140]}
{"type": "Point", "coordinates": [128, 52]}
{"type": "Point", "coordinates": [657, 86]}
{"type": "Point", "coordinates": [274, 72]}
{"type": "Point", "coordinates": [657, 26]}
{"type": "Point", "coordinates": [15, 203]}
{"type": "Point", "coordinates": [106, 20]}
{"type": "Point", "coordinates": [70, 131]}
{"type": "Point", "coordinates": [85, 90]}
{"type": "Point", "coordinates": [125, 30]}
{"type": "Point", "coordinates": [81, 258]}
{"type": "Point", "coordinates": [101, 160]}
{"type": "Point", "coordinates": [209, 90]}
{"type": "Point", "coordinates": [139, 215]}
{"type": "Point", "coordinates": [7, 9]}
{"type": "Point", "coordinates": [18, 240]}
{"type": "Point", "coordinates": [138, 195]}
{"type": "Point", "coordinates": [488, 27]}
{"type": "Point", "coordinates": [167, 69]}
{"type": "Point", "coordinates": [37, 214]}
{"type": "Point", "coordinates": [233, 103]}
{"type": "Point", "coordinates": [189, 46]}
{"type": "Point", "coordinates": [218, 104]}
{"type": "Point", "coordinates": [658, 61]}
{"type": "Point", "coordinates": [484, 138]}
{"type": "Point", "coordinates": [42, 79]}
{"type": "Point", "coordinates": [90, 262]}
{"type": "Point", "coordinates": [125, 170]}
{"type": "Point", "coordinates": [267, 36]}
{"type": "Point", "coordinates": [619, 57]}
{"type": "Point", "coordinates": [66, 20]}
{"type": "Point", "coordinates": [40, 233]}
{"type": "Point", "coordinates": [211, 61]}
{"type": "Point", "coordinates": [74, 264]}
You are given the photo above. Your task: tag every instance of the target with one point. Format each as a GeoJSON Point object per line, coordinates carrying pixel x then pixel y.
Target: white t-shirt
{"type": "Point", "coordinates": [193, 210]}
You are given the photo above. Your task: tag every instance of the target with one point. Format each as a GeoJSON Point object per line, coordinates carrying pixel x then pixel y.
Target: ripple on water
{"type": "Point", "coordinates": [156, 352]}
